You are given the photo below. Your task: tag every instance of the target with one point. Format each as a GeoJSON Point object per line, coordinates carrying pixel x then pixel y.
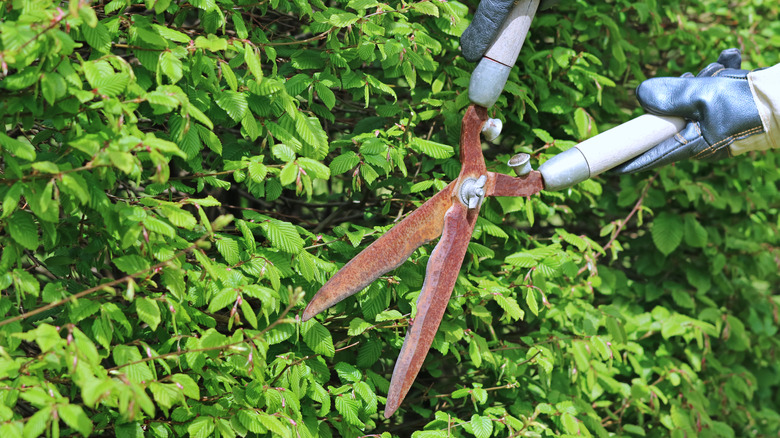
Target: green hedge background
{"type": "Point", "coordinates": [179, 177]}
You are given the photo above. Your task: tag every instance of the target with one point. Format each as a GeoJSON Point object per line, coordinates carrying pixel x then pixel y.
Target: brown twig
{"type": "Point", "coordinates": [623, 223]}
{"type": "Point", "coordinates": [94, 289]}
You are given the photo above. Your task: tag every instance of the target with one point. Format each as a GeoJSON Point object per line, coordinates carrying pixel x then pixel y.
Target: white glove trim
{"type": "Point", "coordinates": [765, 86]}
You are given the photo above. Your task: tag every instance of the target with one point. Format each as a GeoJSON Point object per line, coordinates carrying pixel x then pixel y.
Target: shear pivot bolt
{"type": "Point", "coordinates": [521, 164]}
{"type": "Point", "coordinates": [492, 129]}
{"type": "Point", "coordinates": [472, 191]}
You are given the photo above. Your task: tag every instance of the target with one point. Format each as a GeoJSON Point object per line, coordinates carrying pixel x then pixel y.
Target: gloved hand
{"type": "Point", "coordinates": [730, 111]}
{"type": "Point", "coordinates": [487, 20]}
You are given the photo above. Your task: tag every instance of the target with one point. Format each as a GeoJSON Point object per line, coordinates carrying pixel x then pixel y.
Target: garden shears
{"type": "Point", "coordinates": [452, 213]}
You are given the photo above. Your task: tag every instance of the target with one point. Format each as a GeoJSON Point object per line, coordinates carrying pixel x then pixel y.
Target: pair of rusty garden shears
{"type": "Point", "coordinates": [452, 213]}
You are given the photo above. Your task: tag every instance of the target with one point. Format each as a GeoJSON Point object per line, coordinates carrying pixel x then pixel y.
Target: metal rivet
{"type": "Point", "coordinates": [521, 164]}
{"type": "Point", "coordinates": [491, 129]}
{"type": "Point", "coordinates": [472, 191]}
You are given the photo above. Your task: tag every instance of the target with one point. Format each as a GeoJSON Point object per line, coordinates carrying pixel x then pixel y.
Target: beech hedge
{"type": "Point", "coordinates": [178, 178]}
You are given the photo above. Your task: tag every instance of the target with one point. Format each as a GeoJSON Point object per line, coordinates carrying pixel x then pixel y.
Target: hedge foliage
{"type": "Point", "coordinates": [179, 177]}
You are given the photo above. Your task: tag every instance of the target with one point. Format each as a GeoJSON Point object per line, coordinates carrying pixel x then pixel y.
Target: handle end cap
{"type": "Point", "coordinates": [564, 170]}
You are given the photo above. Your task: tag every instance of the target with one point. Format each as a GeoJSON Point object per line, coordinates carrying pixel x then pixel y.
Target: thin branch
{"type": "Point", "coordinates": [624, 221]}
{"type": "Point", "coordinates": [94, 289]}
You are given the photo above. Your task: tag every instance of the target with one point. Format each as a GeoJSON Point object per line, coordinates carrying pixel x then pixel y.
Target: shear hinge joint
{"type": "Point", "coordinates": [472, 191]}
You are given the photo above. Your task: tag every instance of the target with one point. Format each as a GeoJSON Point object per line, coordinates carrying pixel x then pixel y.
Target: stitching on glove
{"type": "Point", "coordinates": [728, 140]}
{"type": "Point", "coordinates": [717, 71]}
{"type": "Point", "coordinates": [681, 139]}
{"type": "Point", "coordinates": [699, 156]}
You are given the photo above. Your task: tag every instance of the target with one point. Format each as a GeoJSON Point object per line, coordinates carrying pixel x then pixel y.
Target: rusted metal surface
{"type": "Point", "coordinates": [385, 254]}
{"type": "Point", "coordinates": [445, 214]}
{"type": "Point", "coordinates": [499, 184]}
{"type": "Point", "coordinates": [440, 276]}
{"type": "Point", "coordinates": [473, 165]}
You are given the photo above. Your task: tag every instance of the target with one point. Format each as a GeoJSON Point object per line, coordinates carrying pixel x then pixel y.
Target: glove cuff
{"type": "Point", "coordinates": [765, 87]}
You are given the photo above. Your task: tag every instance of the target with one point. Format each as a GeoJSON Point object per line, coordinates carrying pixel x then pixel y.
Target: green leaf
{"type": "Point", "coordinates": [212, 43]}
{"type": "Point", "coordinates": [252, 59]}
{"type": "Point", "coordinates": [274, 425]}
{"type": "Point", "coordinates": [202, 427]}
{"type": "Point", "coordinates": [240, 26]}
{"type": "Point", "coordinates": [124, 161]}
{"type": "Point", "coordinates": [289, 173]}
{"type": "Point", "coordinates": [283, 236]}
{"type": "Point", "coordinates": [348, 407]}
{"type": "Point", "coordinates": [36, 425]}
{"type": "Point", "coordinates": [482, 426]}
{"type": "Point", "coordinates": [192, 110]}
{"type": "Point", "coordinates": [695, 234]}
{"type": "Point", "coordinates": [370, 400]}
{"type": "Point", "coordinates": [75, 185]}
{"type": "Point", "coordinates": [368, 353]}
{"type": "Point", "coordinates": [97, 37]}
{"type": "Point", "coordinates": [667, 232]}
{"type": "Point", "coordinates": [18, 148]}
{"type": "Point", "coordinates": [344, 162]}
{"type": "Point", "coordinates": [530, 301]}
{"type": "Point", "coordinates": [171, 34]}
{"type": "Point", "coordinates": [53, 87]}
{"type": "Point", "coordinates": [210, 139]}
{"type": "Point", "coordinates": [431, 148]}
{"type": "Point", "coordinates": [325, 94]}
{"type": "Point", "coordinates": [171, 66]}
{"type": "Point", "coordinates": [165, 394]}
{"type": "Point", "coordinates": [310, 131]}
{"type": "Point", "coordinates": [347, 373]}
{"type": "Point", "coordinates": [570, 423]}
{"type": "Point", "coordinates": [158, 226]}
{"type": "Point", "coordinates": [357, 326]}
{"type": "Point", "coordinates": [148, 312]}
{"type": "Point", "coordinates": [74, 416]}
{"type": "Point", "coordinates": [317, 337]}
{"type": "Point", "coordinates": [228, 247]}
{"type": "Point", "coordinates": [510, 306]}
{"type": "Point", "coordinates": [249, 313]}
{"type": "Point", "coordinates": [11, 199]}
{"type": "Point", "coordinates": [131, 264]}
{"type": "Point", "coordinates": [234, 103]}
{"type": "Point", "coordinates": [23, 230]}
{"type": "Point", "coordinates": [111, 85]}
{"type": "Point", "coordinates": [222, 299]}
{"type": "Point", "coordinates": [230, 77]}
{"type": "Point", "coordinates": [187, 385]}
{"type": "Point", "coordinates": [586, 126]}
{"type": "Point", "coordinates": [88, 15]}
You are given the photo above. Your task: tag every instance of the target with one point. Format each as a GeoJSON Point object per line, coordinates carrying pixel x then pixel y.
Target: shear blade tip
{"type": "Point", "coordinates": [308, 313]}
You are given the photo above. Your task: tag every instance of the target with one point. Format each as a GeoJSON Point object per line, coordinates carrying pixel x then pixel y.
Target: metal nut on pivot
{"type": "Point", "coordinates": [521, 164]}
{"type": "Point", "coordinates": [491, 129]}
{"type": "Point", "coordinates": [472, 191]}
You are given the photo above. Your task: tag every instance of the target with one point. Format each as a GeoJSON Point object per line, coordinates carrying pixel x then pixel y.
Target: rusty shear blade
{"type": "Point", "coordinates": [385, 254]}
{"type": "Point", "coordinates": [499, 184]}
{"type": "Point", "coordinates": [441, 273]}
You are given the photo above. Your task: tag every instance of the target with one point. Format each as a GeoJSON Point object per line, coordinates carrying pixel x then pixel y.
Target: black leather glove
{"type": "Point", "coordinates": [720, 107]}
{"type": "Point", "coordinates": [487, 20]}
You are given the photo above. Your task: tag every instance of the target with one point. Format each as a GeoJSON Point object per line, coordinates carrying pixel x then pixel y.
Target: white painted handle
{"type": "Point", "coordinates": [511, 36]}
{"type": "Point", "coordinates": [490, 75]}
{"type": "Point", "coordinates": [626, 141]}
{"type": "Point", "coordinates": [607, 150]}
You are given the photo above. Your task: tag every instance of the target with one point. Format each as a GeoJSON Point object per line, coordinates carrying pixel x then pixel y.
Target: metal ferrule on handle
{"type": "Point", "coordinates": [492, 71]}
{"type": "Point", "coordinates": [607, 150]}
